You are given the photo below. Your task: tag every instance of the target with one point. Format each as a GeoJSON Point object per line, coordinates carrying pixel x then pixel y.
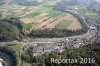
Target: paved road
{"type": "Point", "coordinates": [91, 33]}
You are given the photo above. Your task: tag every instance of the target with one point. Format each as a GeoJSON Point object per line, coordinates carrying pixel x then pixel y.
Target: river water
{"type": "Point", "coordinates": [8, 58]}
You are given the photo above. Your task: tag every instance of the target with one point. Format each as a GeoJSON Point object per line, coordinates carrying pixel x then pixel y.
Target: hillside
{"type": "Point", "coordinates": [10, 29]}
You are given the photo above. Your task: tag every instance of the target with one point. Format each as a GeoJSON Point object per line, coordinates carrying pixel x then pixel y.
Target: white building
{"type": "Point", "coordinates": [1, 62]}
{"type": "Point", "coordinates": [92, 28]}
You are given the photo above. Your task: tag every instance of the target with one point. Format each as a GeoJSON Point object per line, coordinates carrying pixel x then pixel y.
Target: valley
{"type": "Point", "coordinates": [41, 16]}
{"type": "Point", "coordinates": [34, 31]}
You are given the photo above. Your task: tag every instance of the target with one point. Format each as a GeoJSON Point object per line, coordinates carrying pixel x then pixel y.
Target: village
{"type": "Point", "coordinates": [60, 46]}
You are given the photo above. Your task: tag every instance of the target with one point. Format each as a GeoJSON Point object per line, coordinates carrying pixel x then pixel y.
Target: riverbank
{"type": "Point", "coordinates": [1, 60]}
{"type": "Point", "coordinates": [8, 56]}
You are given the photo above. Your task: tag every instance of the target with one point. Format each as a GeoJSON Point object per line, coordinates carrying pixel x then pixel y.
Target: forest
{"type": "Point", "coordinates": [10, 29]}
{"type": "Point", "coordinates": [51, 33]}
{"type": "Point", "coordinates": [89, 51]}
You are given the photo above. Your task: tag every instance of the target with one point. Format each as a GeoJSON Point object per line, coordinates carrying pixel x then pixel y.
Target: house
{"type": "Point", "coordinates": [38, 49]}
{"type": "Point", "coordinates": [93, 28]}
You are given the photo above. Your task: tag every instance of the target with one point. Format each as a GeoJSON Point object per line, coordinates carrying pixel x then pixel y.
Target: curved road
{"type": "Point", "coordinates": [91, 33]}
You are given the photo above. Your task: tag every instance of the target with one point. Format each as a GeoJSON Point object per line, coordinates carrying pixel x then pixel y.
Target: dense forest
{"type": "Point", "coordinates": [51, 33]}
{"type": "Point", "coordinates": [89, 51]}
{"type": "Point", "coordinates": [10, 29]}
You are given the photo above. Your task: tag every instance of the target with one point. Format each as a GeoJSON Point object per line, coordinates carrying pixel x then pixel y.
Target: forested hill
{"type": "Point", "coordinates": [10, 29]}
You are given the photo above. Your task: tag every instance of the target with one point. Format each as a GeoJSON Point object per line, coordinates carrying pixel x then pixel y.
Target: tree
{"type": "Point", "coordinates": [0, 16]}
{"type": "Point", "coordinates": [10, 29]}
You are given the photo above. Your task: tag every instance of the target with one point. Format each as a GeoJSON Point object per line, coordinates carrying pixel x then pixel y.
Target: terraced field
{"type": "Point", "coordinates": [41, 16]}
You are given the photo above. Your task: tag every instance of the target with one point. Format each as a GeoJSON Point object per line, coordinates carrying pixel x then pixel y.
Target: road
{"type": "Point", "coordinates": [90, 34]}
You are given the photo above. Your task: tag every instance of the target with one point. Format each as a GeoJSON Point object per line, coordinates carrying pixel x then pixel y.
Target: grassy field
{"type": "Point", "coordinates": [32, 15]}
{"type": "Point", "coordinates": [46, 9]}
{"type": "Point", "coordinates": [35, 25]}
{"type": "Point", "coordinates": [63, 25]}
{"type": "Point", "coordinates": [55, 13]}
{"type": "Point", "coordinates": [94, 16]}
{"type": "Point", "coordinates": [27, 26]}
{"type": "Point", "coordinates": [15, 47]}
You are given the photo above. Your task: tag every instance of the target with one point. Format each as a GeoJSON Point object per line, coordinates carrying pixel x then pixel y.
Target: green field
{"type": "Point", "coordinates": [35, 25]}
{"type": "Point", "coordinates": [15, 47]}
{"type": "Point", "coordinates": [84, 11]}
{"type": "Point", "coordinates": [49, 10]}
{"type": "Point", "coordinates": [54, 13]}
{"type": "Point", "coordinates": [31, 15]}
{"type": "Point", "coordinates": [63, 25]}
{"type": "Point", "coordinates": [27, 26]}
{"type": "Point", "coordinates": [96, 18]}
{"type": "Point", "coordinates": [46, 9]}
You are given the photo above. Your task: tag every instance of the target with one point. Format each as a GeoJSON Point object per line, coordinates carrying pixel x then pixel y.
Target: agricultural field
{"type": "Point", "coordinates": [27, 26]}
{"type": "Point", "coordinates": [96, 18]}
{"type": "Point", "coordinates": [93, 15]}
{"type": "Point", "coordinates": [62, 25]}
{"type": "Point", "coordinates": [41, 16]}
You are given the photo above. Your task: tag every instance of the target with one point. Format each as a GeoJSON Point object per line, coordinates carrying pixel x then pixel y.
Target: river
{"type": "Point", "coordinates": [8, 58]}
